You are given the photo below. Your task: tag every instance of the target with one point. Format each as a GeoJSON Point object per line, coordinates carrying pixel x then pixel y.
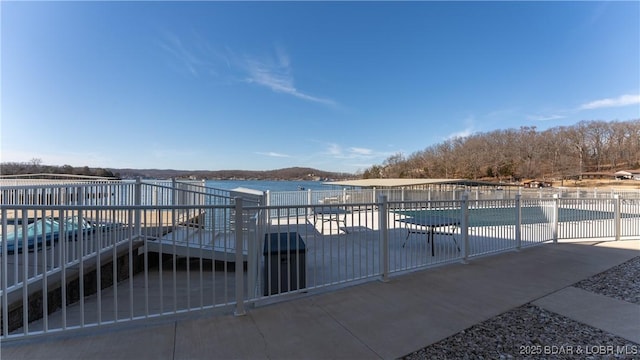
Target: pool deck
{"type": "Point", "coordinates": [383, 320]}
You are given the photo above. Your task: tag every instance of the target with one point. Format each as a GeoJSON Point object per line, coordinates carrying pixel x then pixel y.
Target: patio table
{"type": "Point", "coordinates": [328, 214]}
{"type": "Point", "coordinates": [430, 224]}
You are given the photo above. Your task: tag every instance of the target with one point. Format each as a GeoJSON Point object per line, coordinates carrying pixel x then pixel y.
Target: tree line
{"type": "Point", "coordinates": [35, 166]}
{"type": "Point", "coordinates": [292, 173]}
{"type": "Point", "coordinates": [525, 153]}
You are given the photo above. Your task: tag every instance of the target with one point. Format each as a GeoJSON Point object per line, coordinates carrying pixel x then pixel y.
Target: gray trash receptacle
{"type": "Point", "coordinates": [284, 263]}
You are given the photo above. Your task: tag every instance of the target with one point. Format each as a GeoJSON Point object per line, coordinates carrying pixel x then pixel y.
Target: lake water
{"type": "Point", "coordinates": [271, 185]}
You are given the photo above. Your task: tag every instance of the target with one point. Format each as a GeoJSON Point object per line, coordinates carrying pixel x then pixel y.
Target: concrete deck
{"type": "Point", "coordinates": [372, 320]}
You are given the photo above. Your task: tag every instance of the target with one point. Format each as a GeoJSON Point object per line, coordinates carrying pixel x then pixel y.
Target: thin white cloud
{"type": "Point", "coordinates": [334, 150]}
{"type": "Point", "coordinates": [557, 114]}
{"type": "Point", "coordinates": [273, 72]}
{"type": "Point", "coordinates": [361, 151]}
{"type": "Point", "coordinates": [460, 134]}
{"type": "Point", "coordinates": [274, 154]}
{"type": "Point", "coordinates": [338, 152]}
{"type": "Point", "coordinates": [623, 100]}
{"type": "Point", "coordinates": [194, 60]}
{"type": "Point", "coordinates": [276, 76]}
{"type": "Point", "coordinates": [349, 157]}
{"type": "Point", "coordinates": [545, 117]}
{"type": "Point", "coordinates": [283, 57]}
{"type": "Point", "coordinates": [469, 122]}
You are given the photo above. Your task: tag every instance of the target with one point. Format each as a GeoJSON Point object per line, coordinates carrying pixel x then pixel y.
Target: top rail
{"type": "Point", "coordinates": [114, 193]}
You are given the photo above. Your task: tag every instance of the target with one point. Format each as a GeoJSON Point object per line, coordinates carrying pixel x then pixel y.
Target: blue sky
{"type": "Point", "coordinates": [337, 86]}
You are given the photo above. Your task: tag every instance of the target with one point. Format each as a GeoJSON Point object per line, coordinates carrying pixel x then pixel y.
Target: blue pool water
{"type": "Point", "coordinates": [47, 230]}
{"type": "Point", "coordinates": [507, 216]}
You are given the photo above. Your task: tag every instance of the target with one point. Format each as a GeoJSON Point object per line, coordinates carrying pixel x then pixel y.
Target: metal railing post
{"type": "Point", "coordinates": [252, 256]}
{"type": "Point", "coordinates": [4, 277]}
{"type": "Point", "coordinates": [202, 198]}
{"type": "Point", "coordinates": [616, 216]}
{"type": "Point", "coordinates": [554, 219]}
{"type": "Point", "coordinates": [81, 267]}
{"type": "Point", "coordinates": [309, 203]}
{"type": "Point", "coordinates": [518, 222]}
{"type": "Point", "coordinates": [464, 227]}
{"type": "Point", "coordinates": [239, 265]}
{"type": "Point", "coordinates": [138, 202]}
{"type": "Point", "coordinates": [174, 192]}
{"type": "Point", "coordinates": [384, 229]}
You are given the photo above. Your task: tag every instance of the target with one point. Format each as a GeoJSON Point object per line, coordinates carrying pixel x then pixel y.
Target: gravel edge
{"type": "Point", "coordinates": [531, 332]}
{"type": "Point", "coordinates": [621, 282]}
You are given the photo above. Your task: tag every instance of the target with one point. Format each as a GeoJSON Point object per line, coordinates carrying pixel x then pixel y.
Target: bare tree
{"type": "Point", "coordinates": [525, 153]}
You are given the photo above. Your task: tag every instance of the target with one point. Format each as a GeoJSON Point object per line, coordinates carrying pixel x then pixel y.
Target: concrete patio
{"type": "Point", "coordinates": [372, 320]}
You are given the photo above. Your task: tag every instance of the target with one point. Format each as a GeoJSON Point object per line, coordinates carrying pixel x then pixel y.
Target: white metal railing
{"type": "Point", "coordinates": [316, 197]}
{"type": "Point", "coordinates": [106, 193]}
{"type": "Point", "coordinates": [577, 193]}
{"type": "Point", "coordinates": [145, 260]}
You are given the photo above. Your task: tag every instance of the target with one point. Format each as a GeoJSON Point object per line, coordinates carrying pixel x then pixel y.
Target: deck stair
{"type": "Point", "coordinates": [187, 241]}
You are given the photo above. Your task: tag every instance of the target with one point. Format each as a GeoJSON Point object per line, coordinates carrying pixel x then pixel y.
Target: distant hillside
{"type": "Point", "coordinates": [294, 173]}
